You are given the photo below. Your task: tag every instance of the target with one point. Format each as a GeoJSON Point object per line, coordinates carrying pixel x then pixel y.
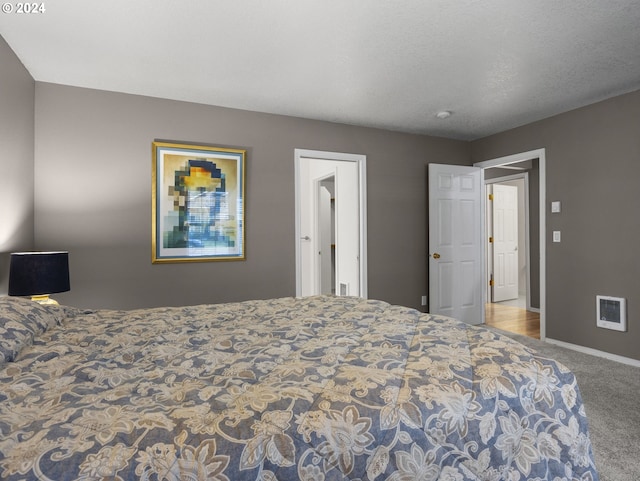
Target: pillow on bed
{"type": "Point", "coordinates": [20, 321]}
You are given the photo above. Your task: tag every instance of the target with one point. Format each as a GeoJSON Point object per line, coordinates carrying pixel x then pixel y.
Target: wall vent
{"type": "Point", "coordinates": [611, 313]}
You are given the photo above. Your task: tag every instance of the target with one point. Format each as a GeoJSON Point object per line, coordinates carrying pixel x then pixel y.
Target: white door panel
{"type": "Point", "coordinates": [455, 242]}
{"type": "Point", "coordinates": [347, 230]}
{"type": "Point", "coordinates": [444, 296]}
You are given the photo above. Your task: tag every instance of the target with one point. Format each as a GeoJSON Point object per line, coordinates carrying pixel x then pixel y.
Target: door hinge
{"type": "Point", "coordinates": [491, 240]}
{"type": "Point", "coordinates": [491, 282]}
{"type": "Point", "coordinates": [490, 196]}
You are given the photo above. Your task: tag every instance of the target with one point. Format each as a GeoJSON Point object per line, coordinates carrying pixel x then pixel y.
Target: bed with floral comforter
{"type": "Point", "coordinates": [318, 388]}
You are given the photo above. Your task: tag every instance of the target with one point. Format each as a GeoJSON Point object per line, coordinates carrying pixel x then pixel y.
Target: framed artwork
{"type": "Point", "coordinates": [198, 203]}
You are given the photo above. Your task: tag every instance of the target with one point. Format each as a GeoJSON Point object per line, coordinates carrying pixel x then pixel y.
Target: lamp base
{"type": "Point", "coordinates": [44, 300]}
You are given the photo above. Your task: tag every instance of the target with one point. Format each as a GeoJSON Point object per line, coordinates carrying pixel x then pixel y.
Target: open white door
{"type": "Point", "coordinates": [455, 242]}
{"type": "Point", "coordinates": [505, 242]}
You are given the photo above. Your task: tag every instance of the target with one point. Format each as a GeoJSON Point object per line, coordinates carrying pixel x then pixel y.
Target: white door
{"type": "Point", "coordinates": [349, 227]}
{"type": "Point", "coordinates": [505, 242]}
{"type": "Point", "coordinates": [455, 242]}
{"type": "Point", "coordinates": [347, 250]}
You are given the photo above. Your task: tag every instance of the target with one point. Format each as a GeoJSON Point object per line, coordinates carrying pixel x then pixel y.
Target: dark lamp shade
{"type": "Point", "coordinates": [38, 273]}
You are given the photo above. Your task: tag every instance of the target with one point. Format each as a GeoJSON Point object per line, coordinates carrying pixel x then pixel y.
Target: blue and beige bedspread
{"type": "Point", "coordinates": [318, 388]}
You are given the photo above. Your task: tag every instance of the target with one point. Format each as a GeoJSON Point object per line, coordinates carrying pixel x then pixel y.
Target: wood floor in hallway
{"type": "Point", "coordinates": [513, 319]}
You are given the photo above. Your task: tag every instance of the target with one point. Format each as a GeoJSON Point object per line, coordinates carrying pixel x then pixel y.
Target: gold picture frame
{"type": "Point", "coordinates": [198, 203]}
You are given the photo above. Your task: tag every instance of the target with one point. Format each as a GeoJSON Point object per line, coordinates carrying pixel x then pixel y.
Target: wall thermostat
{"type": "Point", "coordinates": [611, 313]}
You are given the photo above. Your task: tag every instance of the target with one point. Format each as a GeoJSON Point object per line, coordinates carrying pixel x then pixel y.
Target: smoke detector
{"type": "Point", "coordinates": [444, 114]}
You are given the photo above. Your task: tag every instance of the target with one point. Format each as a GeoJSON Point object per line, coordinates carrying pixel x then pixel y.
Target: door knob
{"type": "Point", "coordinates": [436, 255]}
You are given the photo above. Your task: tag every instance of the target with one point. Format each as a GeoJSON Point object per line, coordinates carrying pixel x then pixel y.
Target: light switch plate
{"type": "Point", "coordinates": [556, 236]}
{"type": "Point", "coordinates": [555, 206]}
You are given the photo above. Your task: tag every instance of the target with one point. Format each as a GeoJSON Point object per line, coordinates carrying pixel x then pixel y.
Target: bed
{"type": "Point", "coordinates": [315, 388]}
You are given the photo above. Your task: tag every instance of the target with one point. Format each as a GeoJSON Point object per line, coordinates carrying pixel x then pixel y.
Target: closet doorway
{"type": "Point", "coordinates": [331, 233]}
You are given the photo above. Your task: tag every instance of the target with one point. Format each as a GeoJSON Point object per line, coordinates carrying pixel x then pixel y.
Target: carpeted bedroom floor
{"type": "Point", "coordinates": [611, 395]}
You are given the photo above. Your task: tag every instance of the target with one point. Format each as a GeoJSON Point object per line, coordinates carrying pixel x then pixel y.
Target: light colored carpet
{"type": "Point", "coordinates": [611, 395]}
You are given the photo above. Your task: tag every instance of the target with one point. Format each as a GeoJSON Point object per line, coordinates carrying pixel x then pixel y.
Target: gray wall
{"type": "Point", "coordinates": [593, 168]}
{"type": "Point", "coordinates": [93, 198]}
{"type": "Point", "coordinates": [17, 93]}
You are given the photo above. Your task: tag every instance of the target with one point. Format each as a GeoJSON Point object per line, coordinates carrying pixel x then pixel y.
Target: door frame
{"type": "Point", "coordinates": [361, 162]}
{"type": "Point", "coordinates": [511, 159]}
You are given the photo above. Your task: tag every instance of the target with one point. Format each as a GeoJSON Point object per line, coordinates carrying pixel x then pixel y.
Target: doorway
{"type": "Point", "coordinates": [330, 223]}
{"type": "Point", "coordinates": [508, 254]}
{"type": "Point", "coordinates": [522, 313]}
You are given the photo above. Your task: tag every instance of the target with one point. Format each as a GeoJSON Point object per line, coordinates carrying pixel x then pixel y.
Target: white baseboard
{"type": "Point", "coordinates": [595, 352]}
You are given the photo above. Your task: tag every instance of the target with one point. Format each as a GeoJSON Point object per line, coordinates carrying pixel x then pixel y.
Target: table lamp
{"type": "Point", "coordinates": [38, 274]}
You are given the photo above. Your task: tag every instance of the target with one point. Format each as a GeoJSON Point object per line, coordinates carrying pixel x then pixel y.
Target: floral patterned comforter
{"type": "Point", "coordinates": [317, 388]}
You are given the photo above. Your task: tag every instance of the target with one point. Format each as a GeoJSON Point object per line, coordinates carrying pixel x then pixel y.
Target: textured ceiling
{"type": "Point", "coordinates": [392, 64]}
